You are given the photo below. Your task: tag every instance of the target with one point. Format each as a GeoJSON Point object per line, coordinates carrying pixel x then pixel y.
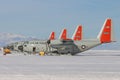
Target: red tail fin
{"type": "Point", "coordinates": [78, 33]}
{"type": "Point", "coordinates": [52, 36]}
{"type": "Point", "coordinates": [105, 34]}
{"type": "Point", "coordinates": [63, 34]}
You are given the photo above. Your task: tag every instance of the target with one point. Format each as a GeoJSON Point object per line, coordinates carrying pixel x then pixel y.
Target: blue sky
{"type": "Point", "coordinates": [37, 18]}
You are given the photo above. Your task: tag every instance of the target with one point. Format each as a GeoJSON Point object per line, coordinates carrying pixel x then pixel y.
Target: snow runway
{"type": "Point", "coordinates": [86, 76]}
{"type": "Point", "coordinates": [90, 65]}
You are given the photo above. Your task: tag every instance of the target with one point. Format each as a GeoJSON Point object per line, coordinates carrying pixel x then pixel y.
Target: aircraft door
{"type": "Point", "coordinates": [34, 49]}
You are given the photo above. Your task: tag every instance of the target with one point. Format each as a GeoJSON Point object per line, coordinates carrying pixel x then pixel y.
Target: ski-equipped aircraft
{"type": "Point", "coordinates": [37, 46]}
{"type": "Point", "coordinates": [74, 47]}
{"type": "Point", "coordinates": [67, 46]}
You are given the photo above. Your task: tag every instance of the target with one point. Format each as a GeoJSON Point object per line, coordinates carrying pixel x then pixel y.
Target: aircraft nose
{"type": "Point", "coordinates": [11, 47]}
{"type": "Point", "coordinates": [20, 48]}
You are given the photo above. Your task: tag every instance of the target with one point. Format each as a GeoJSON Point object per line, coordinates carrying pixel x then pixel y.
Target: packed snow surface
{"type": "Point", "coordinates": [90, 65]}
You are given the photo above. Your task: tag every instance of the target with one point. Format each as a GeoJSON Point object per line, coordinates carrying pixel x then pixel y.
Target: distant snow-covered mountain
{"type": "Point", "coordinates": [6, 38]}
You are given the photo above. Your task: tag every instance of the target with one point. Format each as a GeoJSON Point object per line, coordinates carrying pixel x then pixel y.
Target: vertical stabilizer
{"type": "Point", "coordinates": [63, 34]}
{"type": "Point", "coordinates": [78, 33]}
{"type": "Point", "coordinates": [52, 36]}
{"type": "Point", "coordinates": [106, 33]}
